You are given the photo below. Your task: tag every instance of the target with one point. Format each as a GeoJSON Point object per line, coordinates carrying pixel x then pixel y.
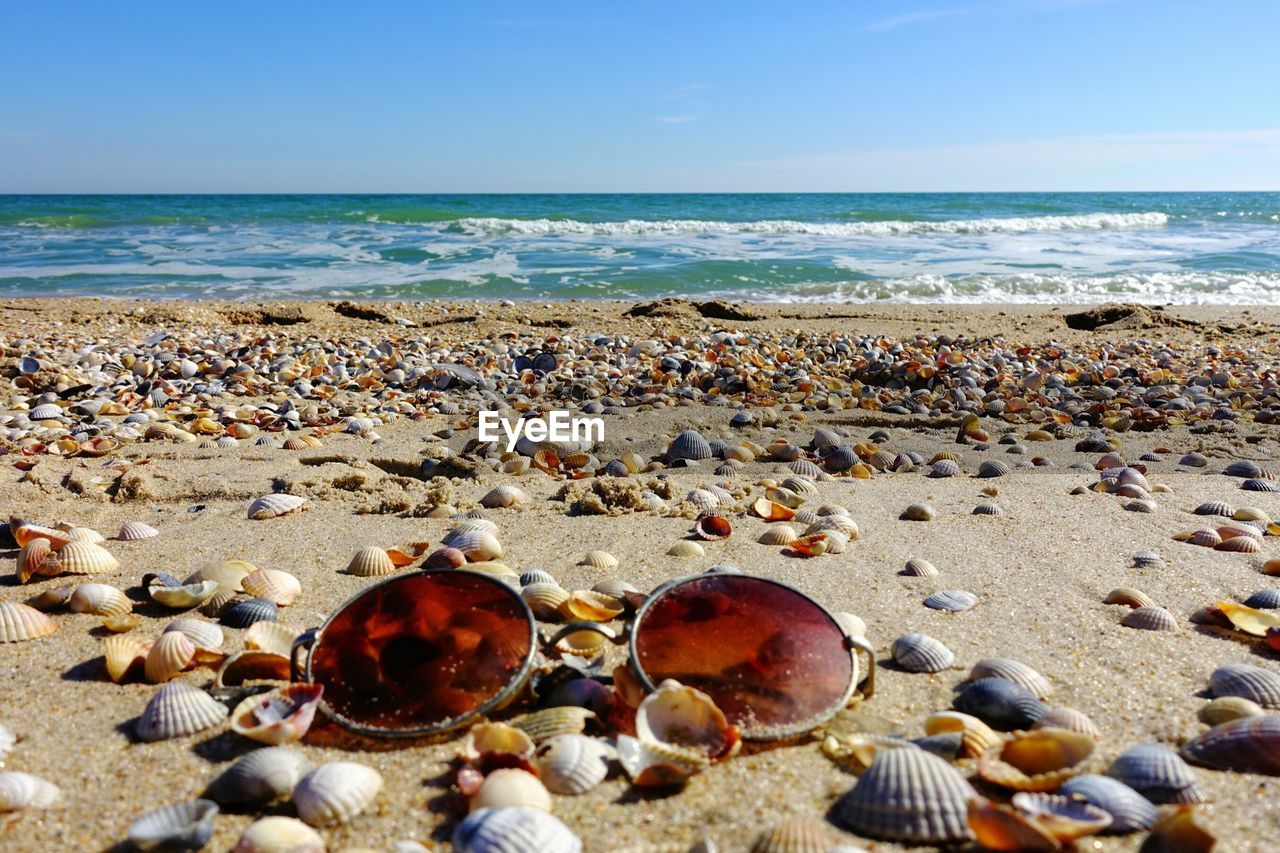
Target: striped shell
{"type": "Point", "coordinates": [988, 508]}
{"type": "Point", "coordinates": [513, 830]}
{"type": "Point", "coordinates": [122, 652]}
{"type": "Point", "coordinates": [273, 637]}
{"type": "Point", "coordinates": [1129, 597]}
{"type": "Point", "coordinates": [1142, 506]}
{"type": "Point", "coordinates": [835, 521]}
{"type": "Point", "coordinates": [169, 655]}
{"type": "Point", "coordinates": [178, 710]}
{"type": "Point", "coordinates": [1215, 508]}
{"type": "Point", "coordinates": [1245, 745]}
{"type": "Point", "coordinates": [276, 504]}
{"type": "Point", "coordinates": [951, 600]}
{"type": "Point", "coordinates": [371, 562]}
{"type": "Point", "coordinates": [179, 827]}
{"type": "Point", "coordinates": [20, 791]}
{"type": "Point", "coordinates": [918, 568]}
{"type": "Point", "coordinates": [909, 795]}
{"type": "Point", "coordinates": [994, 468]}
{"type": "Point", "coordinates": [273, 585]}
{"type": "Point", "coordinates": [501, 497]}
{"type": "Point", "coordinates": [1205, 538]}
{"type": "Point", "coordinates": [86, 558]}
{"type": "Point", "coordinates": [796, 834]}
{"type": "Point", "coordinates": [260, 777]}
{"type": "Point", "coordinates": [804, 468]}
{"type": "Point", "coordinates": [841, 458]}
{"type": "Point", "coordinates": [572, 764]}
{"type": "Point", "coordinates": [1129, 810]}
{"type": "Point", "coordinates": [1069, 719]}
{"type": "Point", "coordinates": [599, 560]}
{"type": "Point", "coordinates": [1002, 704]}
{"type": "Point", "coordinates": [689, 445]}
{"type": "Point", "coordinates": [37, 557]}
{"type": "Point", "coordinates": [976, 736]}
{"type": "Point", "coordinates": [1156, 772]}
{"type": "Point", "coordinates": [1248, 682]}
{"type": "Point", "coordinates": [778, 535]}
{"type": "Point", "coordinates": [335, 793]}
{"type": "Point", "coordinates": [132, 531]}
{"type": "Point", "coordinates": [945, 468]}
{"type": "Point", "coordinates": [245, 613]}
{"type": "Point", "coordinates": [99, 599]}
{"type": "Point", "coordinates": [1264, 599]}
{"type": "Point", "coordinates": [549, 722]}
{"type": "Point", "coordinates": [279, 835]}
{"type": "Point", "coordinates": [18, 623]}
{"type": "Point", "coordinates": [1148, 560]}
{"type": "Point", "coordinates": [921, 653]}
{"type": "Point", "coordinates": [1260, 485]}
{"type": "Point", "coordinates": [1013, 670]}
{"type": "Point", "coordinates": [545, 599]}
{"type": "Point", "coordinates": [205, 635]}
{"type": "Point", "coordinates": [476, 544]}
{"type": "Point", "coordinates": [686, 548]}
{"type": "Point", "coordinates": [1239, 545]}
{"type": "Point", "coordinates": [1150, 619]}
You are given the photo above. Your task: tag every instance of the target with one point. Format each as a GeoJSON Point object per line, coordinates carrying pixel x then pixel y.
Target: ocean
{"type": "Point", "coordinates": [948, 247]}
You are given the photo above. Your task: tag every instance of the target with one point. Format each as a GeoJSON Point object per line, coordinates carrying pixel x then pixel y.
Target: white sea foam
{"type": "Point", "coordinates": [782, 227]}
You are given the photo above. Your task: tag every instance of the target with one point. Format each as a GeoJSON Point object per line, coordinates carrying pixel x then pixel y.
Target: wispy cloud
{"type": "Point", "coordinates": [678, 119]}
{"type": "Point", "coordinates": [685, 91]}
{"type": "Point", "coordinates": [909, 18]}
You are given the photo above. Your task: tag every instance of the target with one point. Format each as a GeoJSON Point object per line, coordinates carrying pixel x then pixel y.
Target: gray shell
{"type": "Point", "coordinates": [1129, 810]}
{"type": "Point", "coordinates": [689, 445]}
{"type": "Point", "coordinates": [945, 468]}
{"type": "Point", "coordinates": [537, 576]}
{"type": "Point", "coordinates": [245, 613]}
{"type": "Point", "coordinates": [1150, 619]}
{"type": "Point", "coordinates": [909, 795]}
{"type": "Point", "coordinates": [260, 777]}
{"type": "Point", "coordinates": [804, 468]}
{"type": "Point", "coordinates": [178, 710]}
{"type": "Point", "coordinates": [840, 459]}
{"type": "Point", "coordinates": [1243, 468]}
{"type": "Point", "coordinates": [1148, 560]}
{"type": "Point", "coordinates": [921, 653]}
{"type": "Point", "coordinates": [1012, 670]}
{"type": "Point", "coordinates": [1000, 703]}
{"type": "Point", "coordinates": [1215, 508]}
{"type": "Point", "coordinates": [988, 509]}
{"type": "Point", "coordinates": [1258, 485]}
{"type": "Point", "coordinates": [1264, 599]}
{"type": "Point", "coordinates": [1246, 745]}
{"type": "Point", "coordinates": [951, 600]}
{"type": "Point", "coordinates": [1194, 460]}
{"type": "Point", "coordinates": [945, 745]}
{"type": "Point", "coordinates": [513, 830]}
{"type": "Point", "coordinates": [994, 468]}
{"type": "Point", "coordinates": [1247, 681]}
{"type": "Point", "coordinates": [178, 828]}
{"type": "Point", "coordinates": [1156, 772]}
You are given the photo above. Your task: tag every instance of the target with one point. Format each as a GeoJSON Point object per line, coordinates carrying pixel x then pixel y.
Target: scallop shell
{"type": "Point", "coordinates": [599, 560]}
{"type": "Point", "coordinates": [689, 445]}
{"type": "Point", "coordinates": [1069, 719]}
{"type": "Point", "coordinates": [178, 710]}
{"type": "Point", "coordinates": [1002, 704]}
{"type": "Point", "coordinates": [546, 600]}
{"type": "Point", "coordinates": [951, 600]}
{"type": "Point", "coordinates": [261, 777]}
{"type": "Point", "coordinates": [1129, 810]}
{"type": "Point", "coordinates": [179, 827]}
{"type": "Point", "coordinates": [1129, 597]}
{"type": "Point", "coordinates": [1156, 772]}
{"type": "Point", "coordinates": [37, 557]}
{"type": "Point", "coordinates": [921, 653]}
{"type": "Point", "coordinates": [836, 522]}
{"type": "Point", "coordinates": [122, 653]}
{"type": "Point", "coordinates": [182, 596]}
{"type": "Point", "coordinates": [909, 795]}
{"type": "Point", "coordinates": [572, 764]}
{"type": "Point", "coordinates": [919, 512]}
{"type": "Point", "coordinates": [86, 558]}
{"type": "Point", "coordinates": [1037, 760]}
{"type": "Point", "coordinates": [336, 792]}
{"type": "Point", "coordinates": [281, 716]}
{"type": "Point", "coordinates": [511, 788]}
{"type": "Point", "coordinates": [274, 585]}
{"type": "Point", "coordinates": [1150, 619]}
{"type": "Point", "coordinates": [245, 613]}
{"type": "Point", "coordinates": [795, 834]}
{"type": "Point", "coordinates": [513, 830]}
{"type": "Point", "coordinates": [371, 562]}
{"type": "Point", "coordinates": [976, 736]}
{"type": "Point", "coordinates": [24, 791]}
{"type": "Point", "coordinates": [1224, 709]}
{"type": "Point", "coordinates": [945, 468]}
{"type": "Point", "coordinates": [919, 568]}
{"type": "Point", "coordinates": [1245, 745]}
{"type": "Point", "coordinates": [18, 623]}
{"type": "Point", "coordinates": [778, 535]}
{"type": "Point", "coordinates": [276, 504]}
{"type": "Point", "coordinates": [219, 601]}
{"type": "Point", "coordinates": [501, 497]}
{"type": "Point", "coordinates": [273, 637]}
{"type": "Point", "coordinates": [1260, 485]}
{"type": "Point", "coordinates": [1239, 545]}
{"type": "Point", "coordinates": [476, 544]}
{"type": "Point", "coordinates": [1148, 560]}
{"type": "Point", "coordinates": [1015, 671]}
{"type": "Point", "coordinates": [994, 468]}
{"type": "Point", "coordinates": [132, 531]}
{"type": "Point", "coordinates": [279, 835]}
{"type": "Point", "coordinates": [169, 655]}
{"type": "Point", "coordinates": [99, 599]}
{"type": "Point", "coordinates": [1264, 599]}
{"type": "Point", "coordinates": [1215, 508]}
{"type": "Point", "coordinates": [686, 548]}
{"type": "Point", "coordinates": [549, 722]}
{"type": "Point", "coordinates": [1248, 682]}
{"type": "Point", "coordinates": [988, 509]}
{"type": "Point", "coordinates": [804, 468]}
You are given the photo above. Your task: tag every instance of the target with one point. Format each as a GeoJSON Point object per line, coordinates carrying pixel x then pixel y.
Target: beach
{"type": "Point", "coordinates": [1040, 570]}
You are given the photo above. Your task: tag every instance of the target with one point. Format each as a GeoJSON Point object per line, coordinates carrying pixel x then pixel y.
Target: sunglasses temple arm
{"type": "Point", "coordinates": [615, 637]}
{"type": "Point", "coordinates": [859, 645]}
{"type": "Point", "coordinates": [305, 640]}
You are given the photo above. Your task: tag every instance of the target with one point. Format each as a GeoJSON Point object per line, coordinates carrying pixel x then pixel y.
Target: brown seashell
{"type": "Point", "coordinates": [446, 558]}
{"type": "Point", "coordinates": [37, 557]}
{"type": "Point", "coordinates": [1129, 597]}
{"type": "Point", "coordinates": [122, 623]}
{"type": "Point", "coordinates": [1178, 832]}
{"type": "Point", "coordinates": [371, 562]}
{"type": "Point", "coordinates": [713, 527]}
{"type": "Point", "coordinates": [1038, 760]}
{"type": "Point", "coordinates": [86, 558]}
{"type": "Point", "coordinates": [169, 655]}
{"type": "Point", "coordinates": [1239, 545]}
{"type": "Point", "coordinates": [274, 585]}
{"type": "Point", "coordinates": [1150, 619]}
{"type": "Point", "coordinates": [976, 736]}
{"type": "Point", "coordinates": [1069, 719]}
{"type": "Point", "coordinates": [998, 827]}
{"type": "Point", "coordinates": [122, 653]}
{"type": "Point", "coordinates": [796, 834]}
{"type": "Point", "coordinates": [588, 606]}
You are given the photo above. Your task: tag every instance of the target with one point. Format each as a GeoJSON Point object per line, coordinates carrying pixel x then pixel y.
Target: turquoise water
{"type": "Point", "coordinates": [999, 247]}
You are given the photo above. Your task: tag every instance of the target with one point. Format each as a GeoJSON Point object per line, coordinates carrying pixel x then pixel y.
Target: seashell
{"type": "Point", "coordinates": [587, 606]}
{"type": "Point", "coordinates": [921, 653]}
{"type": "Point", "coordinates": [169, 655]}
{"type": "Point", "coordinates": [511, 788]}
{"type": "Point", "coordinates": [951, 600]}
{"type": "Point", "coordinates": [835, 522]}
{"type": "Point", "coordinates": [1069, 719]}
{"type": "Point", "coordinates": [273, 585]}
{"type": "Point", "coordinates": [795, 834]}
{"type": "Point", "coordinates": [799, 486]}
{"type": "Point", "coordinates": [1002, 704]}
{"type": "Point", "coordinates": [485, 738]}
{"type": "Point", "coordinates": [804, 468]}
{"type": "Point", "coordinates": [219, 601]}
{"type": "Point", "coordinates": [1013, 670]}
{"type": "Point", "coordinates": [37, 557]}
{"type": "Point", "coordinates": [1252, 513]}
{"type": "Point", "coordinates": [281, 716]}
{"type": "Point", "coordinates": [1248, 682]}
{"type": "Point", "coordinates": [546, 600]}
{"type": "Point", "coordinates": [477, 545]}
{"type": "Point", "coordinates": [1037, 760]}
{"type": "Point", "coordinates": [46, 412]}
{"type": "Point", "coordinates": [689, 445]}
{"type": "Point", "coordinates": [513, 830]}
{"type": "Point", "coordinates": [840, 459]}
{"type": "Point", "coordinates": [1129, 597]}
{"type": "Point", "coordinates": [1000, 827]}
{"type": "Point", "coordinates": [1251, 620]}
{"type": "Point", "coordinates": [976, 736]}
{"type": "Point", "coordinates": [945, 468]}
{"type": "Point", "coordinates": [1148, 560]}
{"type": "Point", "coordinates": [994, 468]}
{"type": "Point", "coordinates": [1142, 506]}
{"type": "Point", "coordinates": [85, 534]}
{"type": "Point", "coordinates": [273, 505]}
{"type": "Point", "coordinates": [919, 512]}
{"type": "Point", "coordinates": [572, 764]}
{"type": "Point", "coordinates": [1061, 817]}
{"type": "Point", "coordinates": [260, 777]}
{"type": "Point", "coordinates": [685, 719]}
{"type": "Point", "coordinates": [988, 509]}
{"type": "Point", "coordinates": [1243, 468]}
{"type": "Point", "coordinates": [26, 532]}
{"type": "Point", "coordinates": [99, 599]}
{"type": "Point", "coordinates": [122, 653]}
{"type": "Point", "coordinates": [279, 835]}
{"type": "Point", "coordinates": [445, 558]}
{"type": "Point", "coordinates": [1150, 619]}
{"type": "Point", "coordinates": [19, 622]}
{"type": "Point", "coordinates": [51, 599]}
{"type": "Point", "coordinates": [336, 792]}
{"type": "Point", "coordinates": [1215, 508]}
{"type": "Point", "coordinates": [908, 795]}
{"type": "Point", "coordinates": [686, 548]}
{"type": "Point", "coordinates": [371, 562]}
{"type": "Point", "coordinates": [245, 613]}
{"type": "Point", "coordinates": [181, 596]}
{"type": "Point", "coordinates": [1156, 772]}
{"type": "Point", "coordinates": [1224, 709]}
{"type": "Point", "coordinates": [778, 535]}
{"type": "Point", "coordinates": [547, 723]}
{"type": "Point", "coordinates": [86, 558]}
{"type": "Point", "coordinates": [274, 637]}
{"type": "Point", "coordinates": [784, 496]}
{"type": "Point", "coordinates": [180, 827]}
{"type": "Point", "coordinates": [122, 623]}
{"type": "Point", "coordinates": [1259, 485]}
{"type": "Point", "coordinates": [1249, 744]}
{"type": "Point", "coordinates": [1264, 599]}
{"type": "Point", "coordinates": [502, 497]}
{"type": "Point", "coordinates": [772, 510]}
{"type": "Point", "coordinates": [704, 500]}
{"type": "Point", "coordinates": [537, 576]}
{"type": "Point", "coordinates": [1177, 832]}
{"type": "Point", "coordinates": [918, 568]}
{"type": "Point", "coordinates": [132, 531]}
{"type": "Point", "coordinates": [20, 791]}
{"type": "Point", "coordinates": [599, 560]}
{"type": "Point", "coordinates": [851, 624]}
{"type": "Point", "coordinates": [815, 544]}
{"type": "Point", "coordinates": [178, 710]}
{"type": "Point", "coordinates": [1129, 810]}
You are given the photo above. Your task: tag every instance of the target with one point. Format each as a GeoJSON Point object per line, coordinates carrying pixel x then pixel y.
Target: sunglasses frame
{"type": "Point", "coordinates": [539, 640]}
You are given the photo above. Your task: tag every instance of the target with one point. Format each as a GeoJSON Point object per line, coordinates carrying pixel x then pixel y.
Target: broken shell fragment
{"type": "Point", "coordinates": [179, 827]}
{"type": "Point", "coordinates": [1037, 760]}
{"type": "Point", "coordinates": [281, 716]}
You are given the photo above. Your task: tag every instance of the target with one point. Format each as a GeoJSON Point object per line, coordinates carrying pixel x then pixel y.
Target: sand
{"type": "Point", "coordinates": [1040, 570]}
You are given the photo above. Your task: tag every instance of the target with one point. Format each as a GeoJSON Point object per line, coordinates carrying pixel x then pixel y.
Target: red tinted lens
{"type": "Point", "coordinates": [769, 657]}
{"type": "Point", "coordinates": [422, 650]}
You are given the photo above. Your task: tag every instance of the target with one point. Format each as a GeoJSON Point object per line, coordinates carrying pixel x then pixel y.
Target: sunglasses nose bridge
{"type": "Point", "coordinates": [615, 637]}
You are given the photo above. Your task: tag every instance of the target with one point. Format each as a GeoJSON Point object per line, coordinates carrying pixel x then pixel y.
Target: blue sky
{"type": "Point", "coordinates": [654, 96]}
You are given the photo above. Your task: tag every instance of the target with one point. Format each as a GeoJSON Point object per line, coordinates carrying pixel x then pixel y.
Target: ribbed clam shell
{"type": "Point", "coordinates": [945, 468]}
{"type": "Point", "coordinates": [1142, 506]}
{"type": "Point", "coordinates": [121, 652]}
{"type": "Point", "coordinates": [1129, 597]}
{"type": "Point", "coordinates": [1264, 599]}
{"type": "Point", "coordinates": [513, 830]}
{"type": "Point", "coordinates": [169, 655]}
{"type": "Point", "coordinates": [1248, 682]}
{"type": "Point", "coordinates": [1129, 810]}
{"type": "Point", "coordinates": [511, 788]}
{"type": "Point", "coordinates": [274, 637]}
{"type": "Point", "coordinates": [1000, 703]}
{"type": "Point", "coordinates": [46, 412]}
{"type": "Point", "coordinates": [99, 599]}
{"type": "Point", "coordinates": [951, 600]}
{"type": "Point", "coordinates": [86, 558]}
{"type": "Point", "coordinates": [1013, 670]}
{"type": "Point", "coordinates": [176, 828]}
{"type": "Point", "coordinates": [18, 623]}
{"type": "Point", "coordinates": [537, 576]}
{"type": "Point", "coordinates": [1069, 719]}
{"type": "Point", "coordinates": [85, 534]}
{"type": "Point", "coordinates": [909, 795]}
{"type": "Point", "coordinates": [183, 596]}
{"type": "Point", "coordinates": [547, 723]}
{"type": "Point", "coordinates": [178, 710]}
{"type": "Point", "coordinates": [1224, 709]}
{"type": "Point", "coordinates": [689, 445]}
{"type": "Point", "coordinates": [279, 835]}
{"type": "Point", "coordinates": [501, 497]}
{"type": "Point", "coordinates": [988, 508]}
{"type": "Point", "coordinates": [921, 653]}
{"type": "Point", "coordinates": [840, 459]}
{"type": "Point", "coordinates": [216, 603]}
{"type": "Point", "coordinates": [132, 531]}
{"type": "Point", "coordinates": [799, 485]}
{"type": "Point", "coordinates": [1150, 619]}
{"type": "Point", "coordinates": [994, 468]}
{"type": "Point", "coordinates": [476, 544]}
{"type": "Point", "coordinates": [261, 777]}
{"type": "Point", "coordinates": [572, 764]}
{"type": "Point", "coordinates": [1205, 538]}
{"type": "Point", "coordinates": [1245, 745]}
{"type": "Point", "coordinates": [1215, 508]}
{"type": "Point", "coordinates": [270, 506]}
{"type": "Point", "coordinates": [778, 535]}
{"type": "Point", "coordinates": [686, 548]}
{"type": "Point", "coordinates": [796, 834]}
{"type": "Point", "coordinates": [919, 512]}
{"type": "Point", "coordinates": [825, 523]}
{"type": "Point", "coordinates": [1148, 560]}
{"type": "Point", "coordinates": [24, 791]}
{"type": "Point", "coordinates": [599, 560]}
{"type": "Point", "coordinates": [703, 500]}
{"type": "Point", "coordinates": [1156, 772]}
{"type": "Point", "coordinates": [37, 558]}
{"type": "Point", "coordinates": [273, 585]}
{"type": "Point", "coordinates": [976, 736]}
{"type": "Point", "coordinates": [370, 562]}
{"type": "Point", "coordinates": [544, 599]}
{"type": "Point", "coordinates": [336, 792]}
{"type": "Point", "coordinates": [616, 468]}
{"type": "Point", "coordinates": [245, 613]}
{"type": "Point", "coordinates": [1239, 545]}
{"type": "Point", "coordinates": [1259, 485]}
{"type": "Point", "coordinates": [919, 568]}
{"type": "Point", "coordinates": [1243, 468]}
{"type": "Point", "coordinates": [804, 468]}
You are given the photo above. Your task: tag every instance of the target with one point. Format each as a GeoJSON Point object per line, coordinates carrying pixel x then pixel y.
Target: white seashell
{"type": "Point", "coordinates": [86, 558]}
{"type": "Point", "coordinates": [1150, 619]}
{"type": "Point", "coordinates": [85, 534]}
{"type": "Point", "coordinates": [273, 585]}
{"type": "Point", "coordinates": [270, 506]}
{"type": "Point", "coordinates": [23, 791]}
{"type": "Point", "coordinates": [18, 622]}
{"type": "Point", "coordinates": [132, 531]}
{"type": "Point", "coordinates": [572, 764]}
{"type": "Point", "coordinates": [919, 568]}
{"type": "Point", "coordinates": [599, 560]}
{"type": "Point", "coordinates": [371, 562]}
{"type": "Point", "coordinates": [511, 788]}
{"type": "Point", "coordinates": [513, 830]}
{"type": "Point", "coordinates": [184, 596]}
{"type": "Point", "coordinates": [478, 545]}
{"type": "Point", "coordinates": [261, 777]}
{"type": "Point", "coordinates": [851, 624]}
{"type": "Point", "coordinates": [205, 635]}
{"type": "Point", "coordinates": [178, 710]}
{"type": "Point", "coordinates": [99, 599]}
{"type": "Point", "coordinates": [504, 496]}
{"type": "Point", "coordinates": [228, 575]}
{"type": "Point", "coordinates": [169, 655]}
{"type": "Point", "coordinates": [182, 826]}
{"type": "Point", "coordinates": [778, 535]}
{"type": "Point", "coordinates": [921, 653]}
{"type": "Point", "coordinates": [336, 792]}
{"type": "Point", "coordinates": [686, 548]}
{"type": "Point", "coordinates": [279, 835]}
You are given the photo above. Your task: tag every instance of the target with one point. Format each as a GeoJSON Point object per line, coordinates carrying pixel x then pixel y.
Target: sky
{"type": "Point", "coordinates": [741, 96]}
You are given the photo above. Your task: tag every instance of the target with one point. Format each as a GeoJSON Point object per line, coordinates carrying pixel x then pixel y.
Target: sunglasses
{"type": "Point", "coordinates": [430, 651]}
